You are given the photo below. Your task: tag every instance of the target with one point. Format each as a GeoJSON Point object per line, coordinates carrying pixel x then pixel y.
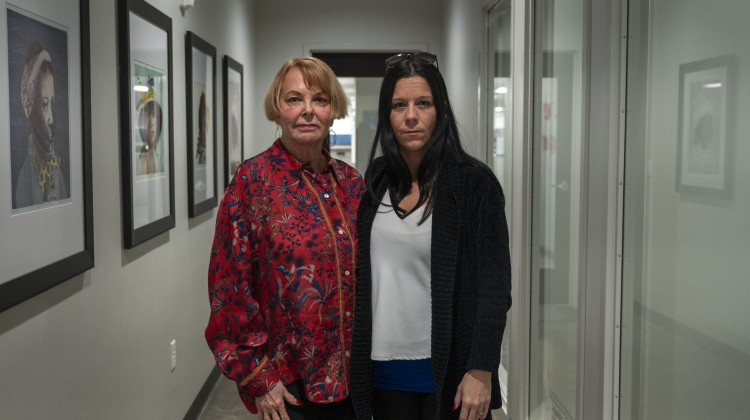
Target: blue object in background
{"type": "Point", "coordinates": [341, 140]}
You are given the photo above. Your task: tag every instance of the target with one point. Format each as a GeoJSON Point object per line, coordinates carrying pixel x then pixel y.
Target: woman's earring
{"type": "Point", "coordinates": [278, 130]}
{"type": "Point", "coordinates": [330, 131]}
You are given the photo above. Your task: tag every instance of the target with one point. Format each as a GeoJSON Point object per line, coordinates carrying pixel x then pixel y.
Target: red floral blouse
{"type": "Point", "coordinates": [281, 276]}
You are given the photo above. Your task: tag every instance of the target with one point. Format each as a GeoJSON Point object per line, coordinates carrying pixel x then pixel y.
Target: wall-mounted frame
{"type": "Point", "coordinates": [200, 87]}
{"type": "Point", "coordinates": [234, 126]}
{"type": "Point", "coordinates": [147, 146]}
{"type": "Point", "coordinates": [705, 126]}
{"type": "Point", "coordinates": [46, 211]}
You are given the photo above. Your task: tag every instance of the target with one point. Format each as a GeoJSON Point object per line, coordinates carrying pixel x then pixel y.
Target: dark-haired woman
{"type": "Point", "coordinates": [434, 283]}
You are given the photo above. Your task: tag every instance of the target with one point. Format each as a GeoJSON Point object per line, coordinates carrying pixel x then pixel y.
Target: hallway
{"type": "Point", "coordinates": [225, 404]}
{"type": "Point", "coordinates": [615, 128]}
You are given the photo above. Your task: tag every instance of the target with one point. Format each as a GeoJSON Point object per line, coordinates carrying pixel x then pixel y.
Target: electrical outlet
{"type": "Point", "coordinates": [174, 353]}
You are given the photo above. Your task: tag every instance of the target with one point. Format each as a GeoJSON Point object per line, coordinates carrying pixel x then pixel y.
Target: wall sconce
{"type": "Point", "coordinates": [185, 5]}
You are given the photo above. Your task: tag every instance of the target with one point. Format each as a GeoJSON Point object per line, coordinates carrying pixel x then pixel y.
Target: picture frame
{"type": "Point", "coordinates": [146, 121]}
{"type": "Point", "coordinates": [46, 201]}
{"type": "Point", "coordinates": [234, 125]}
{"type": "Point", "coordinates": [200, 85]}
{"type": "Point", "coordinates": [705, 121]}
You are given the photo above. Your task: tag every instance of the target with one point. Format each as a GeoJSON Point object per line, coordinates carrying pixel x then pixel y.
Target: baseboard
{"type": "Point", "coordinates": [203, 394]}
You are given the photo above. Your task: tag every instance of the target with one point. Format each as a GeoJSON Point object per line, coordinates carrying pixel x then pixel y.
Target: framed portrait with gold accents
{"type": "Point", "coordinates": [46, 211]}
{"type": "Point", "coordinates": [147, 146]}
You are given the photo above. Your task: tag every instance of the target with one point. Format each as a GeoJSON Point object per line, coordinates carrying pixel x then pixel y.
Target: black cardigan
{"type": "Point", "coordinates": [470, 284]}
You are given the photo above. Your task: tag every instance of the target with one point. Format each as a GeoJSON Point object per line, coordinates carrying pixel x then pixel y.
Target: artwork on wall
{"type": "Point", "coordinates": [234, 128]}
{"type": "Point", "coordinates": [45, 185]}
{"type": "Point", "coordinates": [145, 59]}
{"type": "Point", "coordinates": [704, 128]}
{"type": "Point", "coordinates": [200, 77]}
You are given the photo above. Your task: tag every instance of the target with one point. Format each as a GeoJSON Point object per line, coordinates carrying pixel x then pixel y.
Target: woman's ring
{"type": "Point", "coordinates": [480, 414]}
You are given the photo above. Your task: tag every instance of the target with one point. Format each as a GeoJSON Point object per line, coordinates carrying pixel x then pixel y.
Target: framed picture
{"type": "Point", "coordinates": [234, 128]}
{"type": "Point", "coordinates": [46, 211]}
{"type": "Point", "coordinates": [704, 128]}
{"type": "Point", "coordinates": [147, 147]}
{"type": "Point", "coordinates": [200, 84]}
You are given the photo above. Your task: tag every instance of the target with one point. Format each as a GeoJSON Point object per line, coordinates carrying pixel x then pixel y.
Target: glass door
{"type": "Point", "coordinates": [499, 91]}
{"type": "Point", "coordinates": [499, 120]}
{"type": "Point", "coordinates": [685, 336]}
{"type": "Point", "coordinates": [556, 161]}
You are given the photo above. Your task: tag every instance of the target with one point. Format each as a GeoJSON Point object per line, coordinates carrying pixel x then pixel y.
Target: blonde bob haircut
{"type": "Point", "coordinates": [316, 74]}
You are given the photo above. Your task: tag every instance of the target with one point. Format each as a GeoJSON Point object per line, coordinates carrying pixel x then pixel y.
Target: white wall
{"type": "Point", "coordinates": [97, 346]}
{"type": "Point", "coordinates": [464, 23]}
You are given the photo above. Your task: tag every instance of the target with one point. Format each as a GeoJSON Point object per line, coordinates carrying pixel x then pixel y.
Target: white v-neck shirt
{"type": "Point", "coordinates": [401, 298]}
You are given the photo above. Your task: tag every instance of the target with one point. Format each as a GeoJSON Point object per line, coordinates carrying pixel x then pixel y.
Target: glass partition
{"type": "Point", "coordinates": [685, 339]}
{"type": "Point", "coordinates": [557, 104]}
{"type": "Point", "coordinates": [499, 90]}
{"type": "Point", "coordinates": [498, 94]}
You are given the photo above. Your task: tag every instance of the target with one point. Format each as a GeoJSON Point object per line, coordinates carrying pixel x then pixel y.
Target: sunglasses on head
{"type": "Point", "coordinates": [424, 56]}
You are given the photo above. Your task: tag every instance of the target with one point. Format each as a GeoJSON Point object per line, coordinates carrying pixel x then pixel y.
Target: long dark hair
{"type": "Point", "coordinates": [444, 144]}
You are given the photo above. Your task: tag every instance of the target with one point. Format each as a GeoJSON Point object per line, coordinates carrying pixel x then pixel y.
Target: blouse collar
{"type": "Point", "coordinates": [289, 163]}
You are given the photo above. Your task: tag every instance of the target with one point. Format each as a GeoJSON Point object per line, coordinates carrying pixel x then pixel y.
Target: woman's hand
{"type": "Point", "coordinates": [271, 404]}
{"type": "Point", "coordinates": [473, 395]}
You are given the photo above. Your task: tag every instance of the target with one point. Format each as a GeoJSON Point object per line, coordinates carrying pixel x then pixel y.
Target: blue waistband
{"type": "Point", "coordinates": [403, 375]}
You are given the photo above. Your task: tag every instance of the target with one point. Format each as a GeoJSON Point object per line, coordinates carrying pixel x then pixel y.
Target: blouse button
{"type": "Point", "coordinates": [341, 231]}
{"type": "Point", "coordinates": [348, 313]}
{"type": "Point", "coordinates": [347, 353]}
{"type": "Point", "coordinates": [325, 195]}
{"type": "Point", "coordinates": [346, 273]}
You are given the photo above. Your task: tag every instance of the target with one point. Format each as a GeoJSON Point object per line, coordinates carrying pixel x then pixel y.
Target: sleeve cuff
{"type": "Point", "coordinates": [261, 379]}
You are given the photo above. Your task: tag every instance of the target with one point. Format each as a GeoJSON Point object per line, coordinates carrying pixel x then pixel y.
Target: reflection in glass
{"type": "Point", "coordinates": [499, 91]}
{"type": "Point", "coordinates": [499, 127]}
{"type": "Point", "coordinates": [685, 337]}
{"type": "Point", "coordinates": [557, 81]}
